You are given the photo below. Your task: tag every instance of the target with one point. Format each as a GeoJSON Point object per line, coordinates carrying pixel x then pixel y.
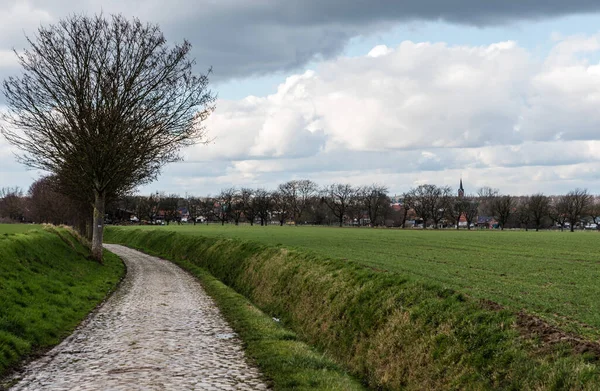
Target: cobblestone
{"type": "Point", "coordinates": [158, 331]}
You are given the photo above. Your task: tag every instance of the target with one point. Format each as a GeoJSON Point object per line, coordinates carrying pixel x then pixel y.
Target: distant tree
{"type": "Point", "coordinates": [539, 207]}
{"type": "Point", "coordinates": [455, 210]}
{"type": "Point", "coordinates": [523, 212]}
{"type": "Point", "coordinates": [295, 195]}
{"type": "Point", "coordinates": [209, 209]}
{"type": "Point", "coordinates": [12, 203]}
{"type": "Point", "coordinates": [594, 209]}
{"type": "Point", "coordinates": [407, 205]}
{"type": "Point", "coordinates": [237, 207]}
{"type": "Point", "coordinates": [279, 206]}
{"type": "Point", "coordinates": [374, 200]}
{"type": "Point", "coordinates": [575, 203]}
{"type": "Point", "coordinates": [471, 209]}
{"type": "Point", "coordinates": [193, 205]}
{"type": "Point", "coordinates": [431, 203]}
{"type": "Point", "coordinates": [265, 202]}
{"type": "Point", "coordinates": [249, 205]}
{"type": "Point", "coordinates": [169, 206]}
{"type": "Point", "coordinates": [225, 200]}
{"type": "Point", "coordinates": [558, 211]}
{"type": "Point", "coordinates": [103, 104]}
{"type": "Point", "coordinates": [338, 197]}
{"type": "Point", "coordinates": [485, 198]}
{"type": "Point", "coordinates": [502, 208]}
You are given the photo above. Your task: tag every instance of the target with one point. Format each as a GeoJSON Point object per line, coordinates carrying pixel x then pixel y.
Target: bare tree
{"type": "Point", "coordinates": [471, 209]}
{"type": "Point", "coordinates": [523, 212]}
{"type": "Point", "coordinates": [485, 197]}
{"type": "Point", "coordinates": [169, 206]}
{"type": "Point", "coordinates": [237, 207]}
{"type": "Point", "coordinates": [225, 201]}
{"type": "Point", "coordinates": [374, 200]}
{"type": "Point", "coordinates": [407, 205]}
{"type": "Point", "coordinates": [194, 209]}
{"type": "Point", "coordinates": [431, 203]}
{"type": "Point", "coordinates": [594, 209]}
{"type": "Point", "coordinates": [502, 208]}
{"type": "Point", "coordinates": [539, 207]}
{"type": "Point", "coordinates": [264, 203]}
{"type": "Point", "coordinates": [295, 196]}
{"type": "Point", "coordinates": [209, 209]}
{"type": "Point", "coordinates": [456, 209]}
{"type": "Point", "coordinates": [338, 198]}
{"type": "Point", "coordinates": [249, 205]}
{"type": "Point", "coordinates": [575, 204]}
{"type": "Point", "coordinates": [104, 104]}
{"type": "Point", "coordinates": [12, 203]}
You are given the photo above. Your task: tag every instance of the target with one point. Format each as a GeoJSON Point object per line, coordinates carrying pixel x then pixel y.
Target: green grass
{"type": "Point", "coordinates": [17, 228]}
{"type": "Point", "coordinates": [47, 286]}
{"type": "Point", "coordinates": [554, 275]}
{"type": "Point", "coordinates": [395, 330]}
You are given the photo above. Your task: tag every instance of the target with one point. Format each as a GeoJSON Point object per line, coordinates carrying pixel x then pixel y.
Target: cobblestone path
{"type": "Point", "coordinates": [158, 331]}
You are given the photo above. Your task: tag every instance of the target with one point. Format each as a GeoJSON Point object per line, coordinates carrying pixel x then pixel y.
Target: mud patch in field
{"type": "Point", "coordinates": [530, 326]}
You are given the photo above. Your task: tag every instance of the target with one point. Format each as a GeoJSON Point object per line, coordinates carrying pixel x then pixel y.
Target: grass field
{"type": "Point", "coordinates": [553, 275]}
{"type": "Point", "coordinates": [17, 228]}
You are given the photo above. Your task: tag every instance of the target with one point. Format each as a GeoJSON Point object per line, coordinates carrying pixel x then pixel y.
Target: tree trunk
{"type": "Point", "coordinates": [89, 234]}
{"type": "Point", "coordinates": [98, 233]}
{"type": "Point", "coordinates": [341, 221]}
{"type": "Point", "coordinates": [572, 227]}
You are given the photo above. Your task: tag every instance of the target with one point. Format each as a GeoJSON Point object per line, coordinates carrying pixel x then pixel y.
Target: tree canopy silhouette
{"type": "Point", "coordinates": [104, 103]}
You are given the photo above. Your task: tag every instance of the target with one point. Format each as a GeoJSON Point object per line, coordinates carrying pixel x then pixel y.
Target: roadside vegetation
{"type": "Point", "coordinates": [48, 284]}
{"type": "Point", "coordinates": [394, 329]}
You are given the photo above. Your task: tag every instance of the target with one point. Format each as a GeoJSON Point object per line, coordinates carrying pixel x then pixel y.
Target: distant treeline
{"type": "Point", "coordinates": [300, 202]}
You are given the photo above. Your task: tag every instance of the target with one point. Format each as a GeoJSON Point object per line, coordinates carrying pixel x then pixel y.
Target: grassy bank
{"type": "Point", "coordinates": [289, 363]}
{"type": "Point", "coordinates": [553, 275]}
{"type": "Point", "coordinates": [392, 330]}
{"type": "Point", "coordinates": [47, 286]}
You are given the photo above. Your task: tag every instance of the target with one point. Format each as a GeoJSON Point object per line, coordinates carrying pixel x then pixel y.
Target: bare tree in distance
{"type": "Point", "coordinates": [104, 103]}
{"type": "Point", "coordinates": [471, 209]}
{"type": "Point", "coordinates": [523, 212]}
{"type": "Point", "coordinates": [296, 195]}
{"type": "Point", "coordinates": [502, 208]}
{"type": "Point", "coordinates": [575, 204]}
{"type": "Point", "coordinates": [485, 196]}
{"type": "Point", "coordinates": [373, 199]}
{"type": "Point", "coordinates": [225, 200]}
{"type": "Point", "coordinates": [407, 204]}
{"type": "Point", "coordinates": [539, 207]}
{"type": "Point", "coordinates": [456, 209]}
{"type": "Point", "coordinates": [193, 206]}
{"type": "Point", "coordinates": [12, 205]}
{"type": "Point", "coordinates": [237, 207]}
{"type": "Point", "coordinates": [338, 197]}
{"type": "Point", "coordinates": [264, 204]}
{"type": "Point", "coordinates": [594, 209]}
{"type": "Point", "coordinates": [431, 202]}
{"type": "Point", "coordinates": [249, 204]}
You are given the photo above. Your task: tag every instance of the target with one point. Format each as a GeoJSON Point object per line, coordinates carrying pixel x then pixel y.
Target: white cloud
{"type": "Point", "coordinates": [495, 114]}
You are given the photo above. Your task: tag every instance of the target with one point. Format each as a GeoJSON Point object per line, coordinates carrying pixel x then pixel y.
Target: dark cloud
{"type": "Point", "coordinates": [241, 38]}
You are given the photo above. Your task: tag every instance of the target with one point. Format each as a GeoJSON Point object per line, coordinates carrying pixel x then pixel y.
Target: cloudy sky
{"type": "Point", "coordinates": [504, 94]}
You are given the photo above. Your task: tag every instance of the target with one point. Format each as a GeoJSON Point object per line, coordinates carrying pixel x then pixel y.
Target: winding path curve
{"type": "Point", "coordinates": [158, 331]}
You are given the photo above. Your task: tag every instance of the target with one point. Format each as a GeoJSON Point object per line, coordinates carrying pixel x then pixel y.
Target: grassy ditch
{"type": "Point", "coordinates": [393, 332]}
{"type": "Point", "coordinates": [289, 363]}
{"type": "Point", "coordinates": [47, 286]}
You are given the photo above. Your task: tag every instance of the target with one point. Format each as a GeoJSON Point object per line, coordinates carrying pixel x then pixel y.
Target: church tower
{"type": "Point", "coordinates": [461, 191]}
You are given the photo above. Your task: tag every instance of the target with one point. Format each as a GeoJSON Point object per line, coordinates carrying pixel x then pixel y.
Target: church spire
{"type": "Point", "coordinates": [461, 190]}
